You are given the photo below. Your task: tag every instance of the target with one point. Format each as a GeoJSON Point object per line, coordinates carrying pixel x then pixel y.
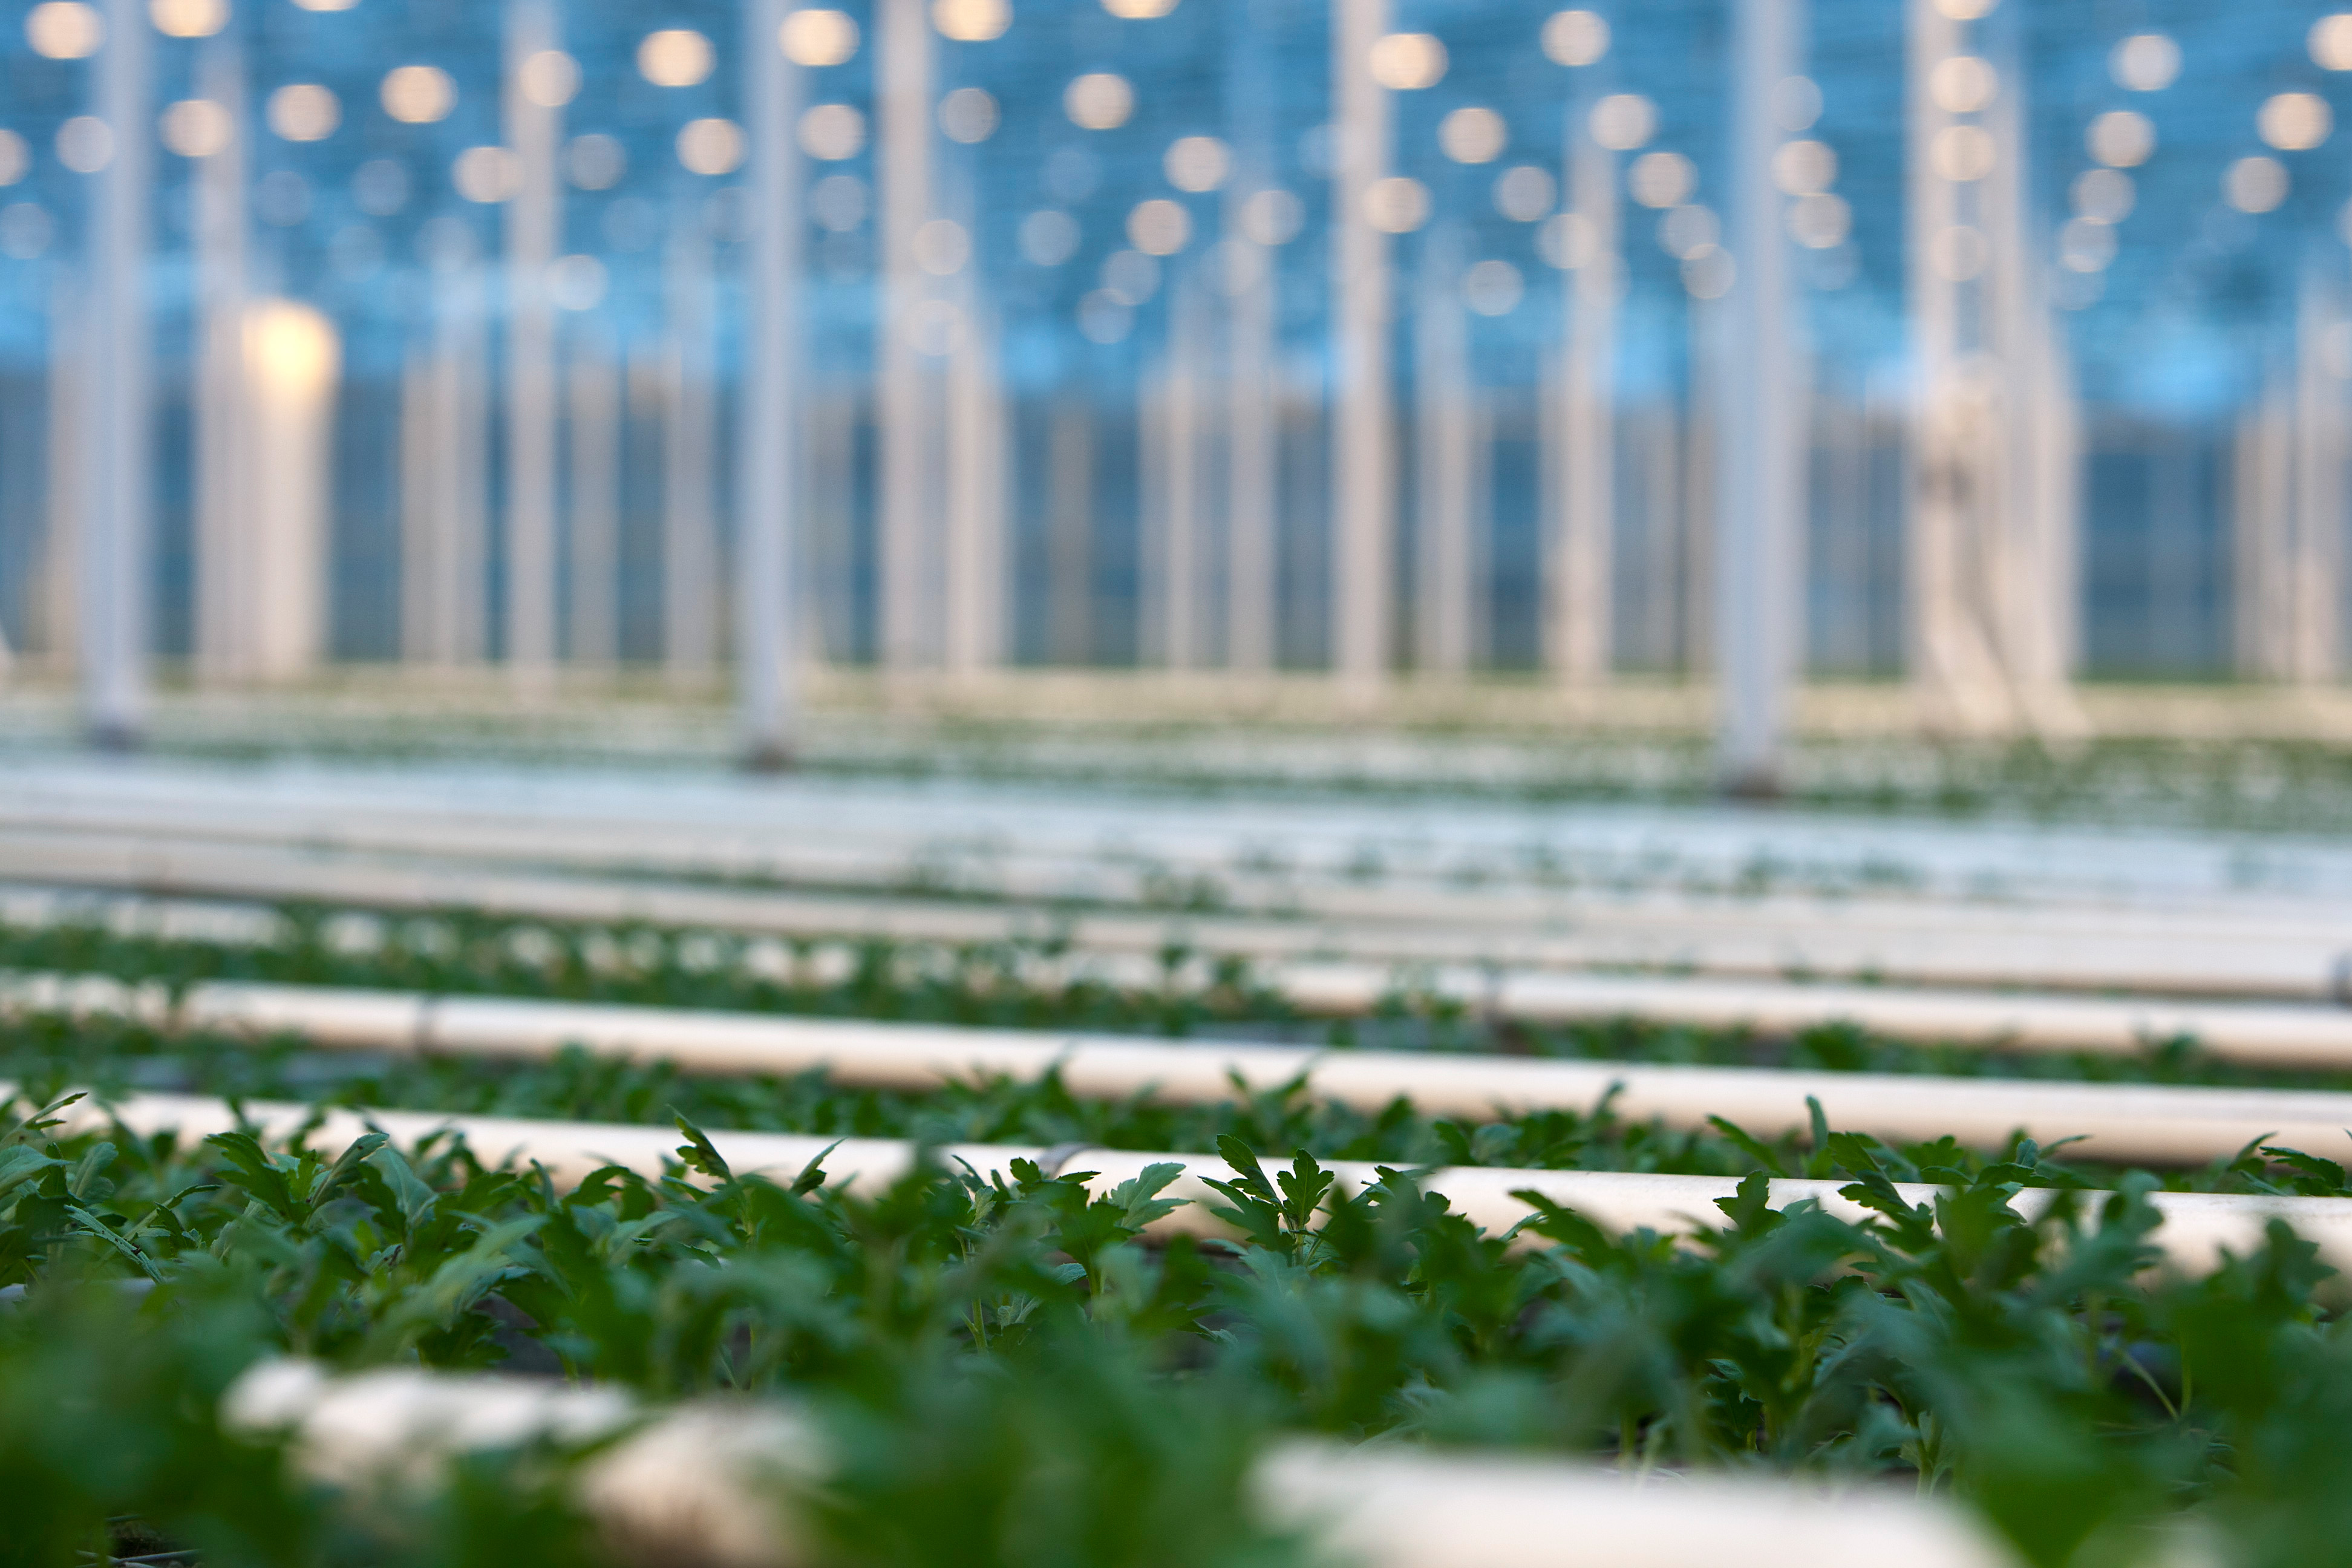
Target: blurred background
{"type": "Point", "coordinates": [1969, 366]}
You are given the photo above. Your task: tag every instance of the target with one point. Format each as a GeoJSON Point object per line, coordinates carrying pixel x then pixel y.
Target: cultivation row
{"type": "Point", "coordinates": [2266, 1034]}
{"type": "Point", "coordinates": [1039, 986]}
{"type": "Point", "coordinates": [2163, 1124]}
{"type": "Point", "coordinates": [1299, 835]}
{"type": "Point", "coordinates": [1933, 943]}
{"type": "Point", "coordinates": [996, 1368]}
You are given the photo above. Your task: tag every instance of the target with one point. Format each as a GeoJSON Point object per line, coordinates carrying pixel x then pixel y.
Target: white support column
{"type": "Point", "coordinates": [444, 469]}
{"type": "Point", "coordinates": [1251, 434]}
{"type": "Point", "coordinates": [1443, 441]}
{"type": "Point", "coordinates": [1181, 534]}
{"type": "Point", "coordinates": [1250, 441]}
{"type": "Point", "coordinates": [1364, 476]}
{"type": "Point", "coordinates": [975, 568]}
{"type": "Point", "coordinates": [293, 362]}
{"type": "Point", "coordinates": [1759, 553]}
{"type": "Point", "coordinates": [68, 468]}
{"type": "Point", "coordinates": [539, 81]}
{"type": "Point", "coordinates": [595, 397]}
{"type": "Point", "coordinates": [1581, 633]}
{"type": "Point", "coordinates": [223, 448]}
{"type": "Point", "coordinates": [2261, 534]}
{"type": "Point", "coordinates": [2028, 465]}
{"type": "Point", "coordinates": [1957, 541]}
{"type": "Point", "coordinates": [690, 522]}
{"type": "Point", "coordinates": [1069, 533]}
{"type": "Point", "coordinates": [768, 448]}
{"type": "Point", "coordinates": [2317, 574]}
{"type": "Point", "coordinates": [113, 612]}
{"type": "Point", "coordinates": [903, 156]}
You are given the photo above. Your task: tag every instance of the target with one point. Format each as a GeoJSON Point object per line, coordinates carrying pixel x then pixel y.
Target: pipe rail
{"type": "Point", "coordinates": [2197, 1229]}
{"type": "Point", "coordinates": [2155, 1123]}
{"type": "Point", "coordinates": [845, 861]}
{"type": "Point", "coordinates": [2005, 950]}
{"type": "Point", "coordinates": [711, 1483]}
{"type": "Point", "coordinates": [2257, 1034]}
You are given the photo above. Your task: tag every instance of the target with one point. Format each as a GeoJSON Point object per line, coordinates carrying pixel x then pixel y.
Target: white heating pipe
{"type": "Point", "coordinates": [112, 618]}
{"type": "Point", "coordinates": [1946, 944]}
{"type": "Point", "coordinates": [767, 534]}
{"type": "Point", "coordinates": [2161, 1123]}
{"type": "Point", "coordinates": [2255, 1034]}
{"type": "Point", "coordinates": [872, 855]}
{"type": "Point", "coordinates": [713, 1482]}
{"type": "Point", "coordinates": [2198, 1227]}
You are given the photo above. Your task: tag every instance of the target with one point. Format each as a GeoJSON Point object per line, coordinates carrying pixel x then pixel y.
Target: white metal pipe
{"type": "Point", "coordinates": [2153, 1123]}
{"type": "Point", "coordinates": [767, 528]}
{"type": "Point", "coordinates": [1362, 471]}
{"type": "Point", "coordinates": [2282, 1034]}
{"type": "Point", "coordinates": [2198, 1227]}
{"type": "Point", "coordinates": [845, 856]}
{"type": "Point", "coordinates": [714, 1482]}
{"type": "Point", "coordinates": [2018, 956]}
{"type": "Point", "coordinates": [533, 114]}
{"type": "Point", "coordinates": [113, 619]}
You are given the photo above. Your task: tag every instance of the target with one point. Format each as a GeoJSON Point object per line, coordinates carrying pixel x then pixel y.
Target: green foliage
{"type": "Point", "coordinates": [1009, 1373]}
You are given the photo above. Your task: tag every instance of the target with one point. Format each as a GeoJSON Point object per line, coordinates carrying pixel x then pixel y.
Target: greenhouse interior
{"type": "Point", "coordinates": [1175, 784]}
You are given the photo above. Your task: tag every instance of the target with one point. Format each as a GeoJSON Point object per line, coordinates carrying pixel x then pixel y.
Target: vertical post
{"type": "Point", "coordinates": [2317, 574]}
{"type": "Point", "coordinates": [595, 419]}
{"type": "Point", "coordinates": [689, 529]}
{"type": "Point", "coordinates": [1181, 533]}
{"type": "Point", "coordinates": [903, 91]}
{"type": "Point", "coordinates": [534, 95]}
{"type": "Point", "coordinates": [768, 446]}
{"type": "Point", "coordinates": [293, 361]}
{"type": "Point", "coordinates": [69, 475]}
{"type": "Point", "coordinates": [113, 619]}
{"type": "Point", "coordinates": [1759, 544]}
{"type": "Point", "coordinates": [224, 455]}
{"type": "Point", "coordinates": [1363, 480]}
{"type": "Point", "coordinates": [1582, 601]}
{"type": "Point", "coordinates": [975, 501]}
{"type": "Point", "coordinates": [1069, 532]}
{"type": "Point", "coordinates": [1443, 442]}
{"type": "Point", "coordinates": [1251, 434]}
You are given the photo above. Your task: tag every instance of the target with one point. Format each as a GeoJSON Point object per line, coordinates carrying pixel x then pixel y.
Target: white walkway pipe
{"type": "Point", "coordinates": [837, 857]}
{"type": "Point", "coordinates": [2283, 1035]}
{"type": "Point", "coordinates": [710, 1483]}
{"type": "Point", "coordinates": [2006, 950]}
{"type": "Point", "coordinates": [2159, 1123]}
{"type": "Point", "coordinates": [2197, 1226]}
